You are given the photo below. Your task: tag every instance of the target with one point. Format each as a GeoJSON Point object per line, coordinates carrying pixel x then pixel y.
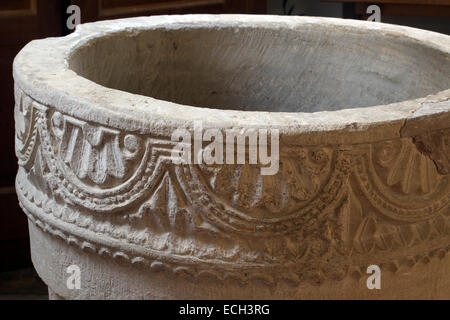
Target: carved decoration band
{"type": "Point", "coordinates": [363, 184]}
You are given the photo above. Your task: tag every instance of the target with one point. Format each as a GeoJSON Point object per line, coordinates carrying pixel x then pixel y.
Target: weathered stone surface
{"type": "Point", "coordinates": [363, 113]}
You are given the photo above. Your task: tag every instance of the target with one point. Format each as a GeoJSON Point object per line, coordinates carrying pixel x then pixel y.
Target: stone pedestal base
{"type": "Point", "coordinates": [107, 279]}
{"type": "Point", "coordinates": [53, 296]}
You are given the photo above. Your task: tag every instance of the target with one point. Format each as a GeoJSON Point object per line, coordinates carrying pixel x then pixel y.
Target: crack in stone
{"type": "Point", "coordinates": [430, 144]}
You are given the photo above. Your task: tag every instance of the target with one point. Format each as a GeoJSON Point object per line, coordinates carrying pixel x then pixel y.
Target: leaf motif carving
{"type": "Point", "coordinates": [92, 152]}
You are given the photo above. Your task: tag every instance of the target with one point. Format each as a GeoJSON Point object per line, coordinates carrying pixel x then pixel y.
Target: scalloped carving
{"type": "Point", "coordinates": [327, 213]}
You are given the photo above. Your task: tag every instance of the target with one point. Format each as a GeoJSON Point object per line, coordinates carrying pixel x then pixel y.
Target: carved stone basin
{"type": "Point", "coordinates": [363, 116]}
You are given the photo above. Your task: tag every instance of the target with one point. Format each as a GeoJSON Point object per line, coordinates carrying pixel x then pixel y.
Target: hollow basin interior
{"type": "Point", "coordinates": [307, 69]}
